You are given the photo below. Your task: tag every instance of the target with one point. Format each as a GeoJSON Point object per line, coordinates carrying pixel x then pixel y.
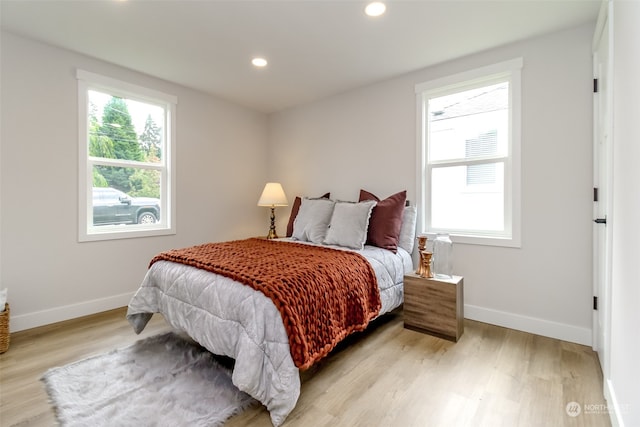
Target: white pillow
{"type": "Point", "coordinates": [407, 237]}
{"type": "Point", "coordinates": [313, 220]}
{"type": "Point", "coordinates": [349, 224]}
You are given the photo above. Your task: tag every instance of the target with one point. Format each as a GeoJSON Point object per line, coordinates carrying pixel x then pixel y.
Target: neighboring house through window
{"type": "Point", "coordinates": [469, 165]}
{"type": "Point", "coordinates": [126, 183]}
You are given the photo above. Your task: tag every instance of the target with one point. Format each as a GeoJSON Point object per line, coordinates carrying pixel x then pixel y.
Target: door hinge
{"type": "Point", "coordinates": [595, 194]}
{"type": "Point", "coordinates": [595, 85]}
{"type": "Point", "coordinates": [595, 302]}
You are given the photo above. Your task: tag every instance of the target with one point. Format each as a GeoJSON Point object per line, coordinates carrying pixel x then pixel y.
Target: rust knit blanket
{"type": "Point", "coordinates": [322, 294]}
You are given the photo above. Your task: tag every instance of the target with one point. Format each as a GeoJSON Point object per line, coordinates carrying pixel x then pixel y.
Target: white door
{"type": "Point", "coordinates": [602, 158]}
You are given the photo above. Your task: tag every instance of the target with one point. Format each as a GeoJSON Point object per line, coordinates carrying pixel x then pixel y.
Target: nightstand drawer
{"type": "Point", "coordinates": [434, 306]}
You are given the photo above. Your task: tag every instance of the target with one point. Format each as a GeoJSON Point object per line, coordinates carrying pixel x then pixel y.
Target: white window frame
{"type": "Point", "coordinates": [504, 71]}
{"type": "Point", "coordinates": [166, 226]}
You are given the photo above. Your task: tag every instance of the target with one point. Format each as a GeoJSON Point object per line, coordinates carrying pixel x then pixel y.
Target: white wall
{"type": "Point", "coordinates": [366, 138]}
{"type": "Point", "coordinates": [50, 276]}
{"type": "Point", "coordinates": [624, 384]}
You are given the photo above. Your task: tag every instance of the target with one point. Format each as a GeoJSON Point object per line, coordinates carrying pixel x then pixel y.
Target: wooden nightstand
{"type": "Point", "coordinates": [434, 306]}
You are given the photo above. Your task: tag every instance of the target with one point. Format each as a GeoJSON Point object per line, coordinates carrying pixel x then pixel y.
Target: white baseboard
{"type": "Point", "coordinates": [612, 405]}
{"type": "Point", "coordinates": [66, 312]}
{"type": "Point", "coordinates": [508, 320]}
{"type": "Point", "coordinates": [532, 325]}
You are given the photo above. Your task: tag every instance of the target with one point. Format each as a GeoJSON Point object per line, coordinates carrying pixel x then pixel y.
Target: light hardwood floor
{"type": "Point", "coordinates": [386, 376]}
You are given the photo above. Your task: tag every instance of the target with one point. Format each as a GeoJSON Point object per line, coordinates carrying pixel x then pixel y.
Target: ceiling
{"type": "Point", "coordinates": [315, 48]}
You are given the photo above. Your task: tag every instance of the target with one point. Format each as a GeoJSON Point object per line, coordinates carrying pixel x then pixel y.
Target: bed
{"type": "Point", "coordinates": [232, 319]}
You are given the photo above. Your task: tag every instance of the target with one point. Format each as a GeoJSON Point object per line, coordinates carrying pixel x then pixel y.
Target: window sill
{"type": "Point", "coordinates": [114, 234]}
{"type": "Point", "coordinates": [465, 239]}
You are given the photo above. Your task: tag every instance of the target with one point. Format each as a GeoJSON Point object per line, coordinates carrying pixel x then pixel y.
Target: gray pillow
{"type": "Point", "coordinates": [407, 237]}
{"type": "Point", "coordinates": [349, 224]}
{"type": "Point", "coordinates": [312, 221]}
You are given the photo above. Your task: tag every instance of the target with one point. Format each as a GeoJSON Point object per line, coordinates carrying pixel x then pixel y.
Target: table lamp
{"type": "Point", "coordinates": [272, 196]}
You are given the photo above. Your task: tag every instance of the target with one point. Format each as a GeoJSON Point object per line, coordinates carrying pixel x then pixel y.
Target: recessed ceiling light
{"type": "Point", "coordinates": [375, 9]}
{"type": "Point", "coordinates": [259, 62]}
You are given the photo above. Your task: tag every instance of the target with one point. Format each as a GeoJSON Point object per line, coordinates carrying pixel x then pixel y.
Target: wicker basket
{"type": "Point", "coordinates": [5, 336]}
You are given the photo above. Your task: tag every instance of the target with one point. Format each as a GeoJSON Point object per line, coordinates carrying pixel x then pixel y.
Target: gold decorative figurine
{"type": "Point", "coordinates": [426, 264]}
{"type": "Point", "coordinates": [422, 244]}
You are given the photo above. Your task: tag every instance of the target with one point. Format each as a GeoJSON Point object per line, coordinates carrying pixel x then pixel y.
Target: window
{"type": "Point", "coordinates": [469, 163]}
{"type": "Point", "coordinates": [126, 139]}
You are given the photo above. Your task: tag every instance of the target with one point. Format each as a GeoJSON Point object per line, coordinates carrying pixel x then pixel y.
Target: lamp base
{"type": "Point", "coordinates": [272, 229]}
{"type": "Point", "coordinates": [272, 234]}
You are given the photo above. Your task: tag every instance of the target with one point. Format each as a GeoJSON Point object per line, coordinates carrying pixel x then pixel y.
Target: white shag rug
{"type": "Point", "coordinates": [164, 380]}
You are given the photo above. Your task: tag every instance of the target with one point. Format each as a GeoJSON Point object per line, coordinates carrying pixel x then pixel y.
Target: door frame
{"type": "Point", "coordinates": [602, 179]}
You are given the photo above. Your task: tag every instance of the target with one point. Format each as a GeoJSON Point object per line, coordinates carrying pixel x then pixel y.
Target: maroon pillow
{"type": "Point", "coordinates": [386, 220]}
{"type": "Point", "coordinates": [294, 212]}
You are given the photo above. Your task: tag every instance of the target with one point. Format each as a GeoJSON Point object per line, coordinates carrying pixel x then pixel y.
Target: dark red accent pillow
{"type": "Point", "coordinates": [294, 212]}
{"type": "Point", "coordinates": [386, 220]}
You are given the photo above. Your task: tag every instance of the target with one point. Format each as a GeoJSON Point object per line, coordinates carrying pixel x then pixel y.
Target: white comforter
{"type": "Point", "coordinates": [235, 320]}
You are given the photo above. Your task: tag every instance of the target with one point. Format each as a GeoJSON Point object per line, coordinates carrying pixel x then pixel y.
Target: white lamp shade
{"type": "Point", "coordinates": [273, 195]}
